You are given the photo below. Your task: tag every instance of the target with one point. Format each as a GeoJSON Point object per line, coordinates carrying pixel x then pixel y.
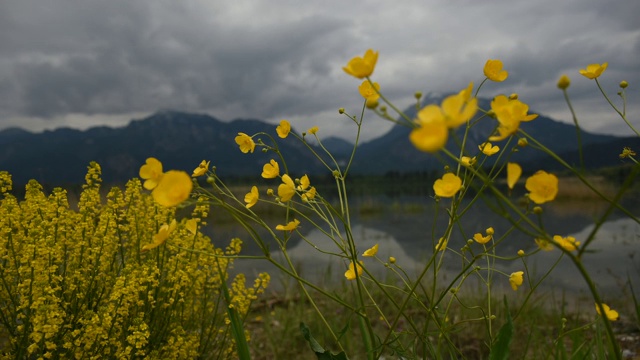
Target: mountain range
{"type": "Point", "coordinates": [181, 140]}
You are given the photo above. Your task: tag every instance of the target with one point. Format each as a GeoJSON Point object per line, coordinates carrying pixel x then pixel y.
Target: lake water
{"type": "Point", "coordinates": [402, 227]}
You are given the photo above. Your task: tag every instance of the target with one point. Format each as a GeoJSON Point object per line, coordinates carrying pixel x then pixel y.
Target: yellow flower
{"type": "Point", "coordinates": [351, 273]}
{"type": "Point", "coordinates": [494, 72]}
{"type": "Point", "coordinates": [460, 108]}
{"type": "Point", "coordinates": [516, 279]}
{"type": "Point", "coordinates": [287, 189]}
{"type": "Point", "coordinates": [447, 186]}
{"type": "Point", "coordinates": [442, 244]}
{"type": "Point", "coordinates": [161, 236]}
{"type": "Point", "coordinates": [569, 243]}
{"type": "Point", "coordinates": [313, 130]}
{"type": "Point", "coordinates": [251, 198]}
{"type": "Point", "coordinates": [192, 226]}
{"type": "Point", "coordinates": [245, 142]}
{"type": "Point", "coordinates": [542, 187]}
{"type": "Point", "coordinates": [310, 194]}
{"type": "Point", "coordinates": [370, 93]}
{"type": "Point", "coordinates": [520, 252]}
{"type": "Point", "coordinates": [544, 245]}
{"type": "Point", "coordinates": [304, 183]}
{"type": "Point", "coordinates": [174, 187]}
{"type": "Point", "coordinates": [291, 225]}
{"type": "Point", "coordinates": [467, 161]}
{"type": "Point", "coordinates": [201, 169]}
{"type": "Point", "coordinates": [627, 152]}
{"type": "Point", "coordinates": [372, 251]}
{"type": "Point", "coordinates": [432, 132]}
{"type": "Point", "coordinates": [593, 70]}
{"type": "Point", "coordinates": [509, 114]}
{"type": "Point", "coordinates": [482, 239]}
{"type": "Point", "coordinates": [151, 171]}
{"type": "Point", "coordinates": [488, 149]}
{"type": "Point", "coordinates": [271, 170]}
{"type": "Point", "coordinates": [611, 314]}
{"type": "Point", "coordinates": [362, 67]}
{"type": "Point", "coordinates": [513, 174]}
{"type": "Point", "coordinates": [392, 260]}
{"type": "Point", "coordinates": [283, 129]}
{"type": "Point", "coordinates": [564, 82]}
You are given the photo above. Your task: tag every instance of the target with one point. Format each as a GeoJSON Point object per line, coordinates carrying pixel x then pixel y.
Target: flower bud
{"type": "Point", "coordinates": [341, 111]}
{"type": "Point", "coordinates": [564, 82]}
{"type": "Point", "coordinates": [624, 84]}
{"type": "Point", "coordinates": [270, 192]}
{"type": "Point", "coordinates": [522, 142]}
{"type": "Point", "coordinates": [418, 95]}
{"type": "Point", "coordinates": [392, 260]}
{"type": "Point", "coordinates": [537, 210]}
{"type": "Point", "coordinates": [513, 96]}
{"type": "Point", "coordinates": [520, 252]}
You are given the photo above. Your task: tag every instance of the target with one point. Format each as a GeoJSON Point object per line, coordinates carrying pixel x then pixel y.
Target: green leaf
{"type": "Point", "coordinates": [500, 349]}
{"type": "Point", "coordinates": [321, 353]}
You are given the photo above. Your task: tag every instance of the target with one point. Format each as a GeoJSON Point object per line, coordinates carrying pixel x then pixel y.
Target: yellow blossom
{"type": "Point", "coordinates": [351, 273]}
{"type": "Point", "coordinates": [543, 187]}
{"type": "Point", "coordinates": [309, 194]}
{"type": "Point", "coordinates": [544, 245]}
{"type": "Point", "coordinates": [291, 225]}
{"type": "Point", "coordinates": [287, 189]}
{"type": "Point", "coordinates": [304, 183]}
{"type": "Point", "coordinates": [458, 109]}
{"type": "Point", "coordinates": [283, 129]}
{"type": "Point", "coordinates": [251, 198]}
{"type": "Point", "coordinates": [271, 170]}
{"type": "Point", "coordinates": [467, 161]}
{"type": "Point", "coordinates": [483, 239]}
{"type": "Point", "coordinates": [245, 142]}
{"type": "Point", "coordinates": [494, 72]}
{"type": "Point", "coordinates": [362, 67]}
{"type": "Point", "coordinates": [162, 236]}
{"type": "Point", "coordinates": [370, 93]}
{"type": "Point", "coordinates": [313, 130]}
{"type": "Point", "coordinates": [442, 244]}
{"type": "Point", "coordinates": [520, 252]}
{"type": "Point", "coordinates": [509, 114]}
{"type": "Point", "coordinates": [192, 226]}
{"type": "Point", "coordinates": [488, 149]}
{"type": "Point", "coordinates": [564, 82]}
{"type": "Point", "coordinates": [174, 187]}
{"type": "Point", "coordinates": [201, 169]}
{"type": "Point", "coordinates": [151, 171]}
{"type": "Point", "coordinates": [627, 152]}
{"type": "Point", "coordinates": [513, 174]}
{"type": "Point", "coordinates": [432, 133]}
{"type": "Point", "coordinates": [516, 279]}
{"type": "Point", "coordinates": [611, 314]}
{"type": "Point", "coordinates": [569, 243]}
{"type": "Point", "coordinates": [447, 186]}
{"type": "Point", "coordinates": [593, 70]}
{"type": "Point", "coordinates": [371, 251]}
{"type": "Point", "coordinates": [392, 260]}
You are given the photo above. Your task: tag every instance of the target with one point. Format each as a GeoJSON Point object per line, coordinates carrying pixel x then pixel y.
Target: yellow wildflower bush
{"type": "Point", "coordinates": [80, 284]}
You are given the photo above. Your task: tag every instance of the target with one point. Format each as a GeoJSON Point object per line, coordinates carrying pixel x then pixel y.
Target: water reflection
{"type": "Point", "coordinates": [405, 232]}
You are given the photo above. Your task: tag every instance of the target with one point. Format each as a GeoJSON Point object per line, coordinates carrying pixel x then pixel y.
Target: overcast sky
{"type": "Point", "coordinates": [80, 63]}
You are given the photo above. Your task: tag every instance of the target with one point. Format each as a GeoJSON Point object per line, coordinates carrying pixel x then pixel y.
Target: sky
{"type": "Point", "coordinates": [83, 63]}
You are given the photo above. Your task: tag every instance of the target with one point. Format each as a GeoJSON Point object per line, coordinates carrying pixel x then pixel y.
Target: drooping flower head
{"type": "Point", "coordinates": [245, 142]}
{"type": "Point", "coordinates": [593, 70]}
{"type": "Point", "coordinates": [494, 72]}
{"type": "Point", "coordinates": [362, 67]}
{"type": "Point", "coordinates": [287, 189]}
{"type": "Point", "coordinates": [516, 279]}
{"type": "Point", "coordinates": [201, 169]}
{"type": "Point", "coordinates": [283, 129]}
{"type": "Point", "coordinates": [251, 198]}
{"type": "Point", "coordinates": [271, 170]}
{"type": "Point", "coordinates": [543, 187]}
{"type": "Point", "coordinates": [513, 174]}
{"type": "Point", "coordinates": [370, 93]}
{"type": "Point", "coordinates": [351, 273]}
{"type": "Point", "coordinates": [174, 188]}
{"type": "Point", "coordinates": [447, 186]}
{"type": "Point", "coordinates": [151, 171]}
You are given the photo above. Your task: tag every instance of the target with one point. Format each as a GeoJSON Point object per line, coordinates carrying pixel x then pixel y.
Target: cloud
{"type": "Point", "coordinates": [65, 59]}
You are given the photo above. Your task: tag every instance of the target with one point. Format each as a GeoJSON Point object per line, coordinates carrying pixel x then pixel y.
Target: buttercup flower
{"type": "Point", "coordinates": [432, 133]}
{"type": "Point", "coordinates": [564, 82]}
{"type": "Point", "coordinates": [544, 245]}
{"type": "Point", "coordinates": [201, 169]}
{"type": "Point", "coordinates": [271, 170]}
{"type": "Point", "coordinates": [174, 187]}
{"type": "Point", "coordinates": [569, 243]}
{"type": "Point", "coordinates": [593, 70]}
{"type": "Point", "coordinates": [351, 273]}
{"type": "Point", "coordinates": [251, 198]}
{"type": "Point", "coordinates": [287, 189]}
{"type": "Point", "coordinates": [611, 314]}
{"type": "Point", "coordinates": [509, 114]}
{"type": "Point", "coordinates": [313, 130]}
{"type": "Point", "coordinates": [370, 93]}
{"type": "Point", "coordinates": [543, 187]}
{"type": "Point", "coordinates": [488, 149]}
{"type": "Point", "coordinates": [460, 108]}
{"type": "Point", "coordinates": [151, 171]}
{"type": "Point", "coordinates": [283, 129]}
{"type": "Point", "coordinates": [513, 174]}
{"type": "Point", "coordinates": [192, 226]}
{"type": "Point", "coordinates": [161, 236]}
{"type": "Point", "coordinates": [362, 67]}
{"type": "Point", "coordinates": [516, 279]}
{"type": "Point", "coordinates": [304, 183]}
{"type": "Point", "coordinates": [245, 142]}
{"type": "Point", "coordinates": [309, 194]}
{"type": "Point", "coordinates": [372, 251]}
{"type": "Point", "coordinates": [447, 186]}
{"type": "Point", "coordinates": [291, 225]}
{"type": "Point", "coordinates": [467, 161]}
{"type": "Point", "coordinates": [627, 152]}
{"type": "Point", "coordinates": [442, 244]}
{"type": "Point", "coordinates": [484, 239]}
{"type": "Point", "coordinates": [494, 72]}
